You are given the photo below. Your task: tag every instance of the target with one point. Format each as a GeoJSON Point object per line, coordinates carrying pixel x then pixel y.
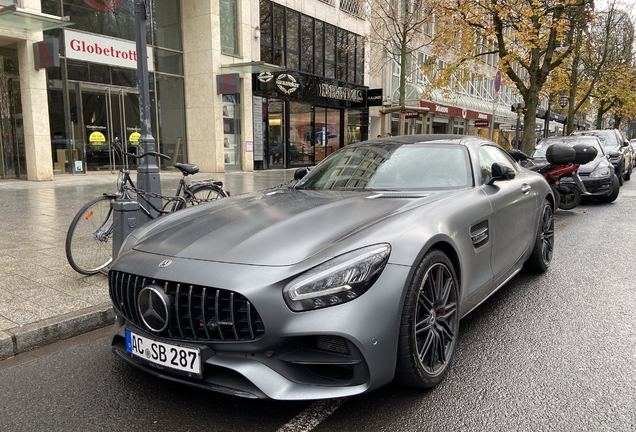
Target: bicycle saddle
{"type": "Point", "coordinates": [187, 168]}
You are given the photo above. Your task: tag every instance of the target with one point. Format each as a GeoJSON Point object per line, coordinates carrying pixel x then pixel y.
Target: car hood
{"type": "Point", "coordinates": [280, 227]}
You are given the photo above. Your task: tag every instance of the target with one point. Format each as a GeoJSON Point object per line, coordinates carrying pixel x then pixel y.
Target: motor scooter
{"type": "Point", "coordinates": [562, 161]}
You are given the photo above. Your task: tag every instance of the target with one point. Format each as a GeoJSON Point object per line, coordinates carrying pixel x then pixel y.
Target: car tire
{"type": "Point", "coordinates": [430, 323]}
{"type": "Point", "coordinates": [570, 199]}
{"type": "Point", "coordinates": [543, 247]}
{"type": "Point", "coordinates": [557, 196]}
{"type": "Point", "coordinates": [621, 177]}
{"type": "Point", "coordinates": [611, 197]}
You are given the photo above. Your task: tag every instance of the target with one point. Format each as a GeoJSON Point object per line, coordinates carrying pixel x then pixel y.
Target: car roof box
{"type": "Point", "coordinates": [560, 154]}
{"type": "Point", "coordinates": [584, 153]}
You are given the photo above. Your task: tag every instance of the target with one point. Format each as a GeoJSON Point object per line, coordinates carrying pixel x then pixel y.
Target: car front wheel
{"type": "Point", "coordinates": [543, 247]}
{"type": "Point", "coordinates": [615, 189]}
{"type": "Point", "coordinates": [429, 324]}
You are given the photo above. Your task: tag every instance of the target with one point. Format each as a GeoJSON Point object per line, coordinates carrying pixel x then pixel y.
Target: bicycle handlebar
{"type": "Point", "coordinates": [150, 153]}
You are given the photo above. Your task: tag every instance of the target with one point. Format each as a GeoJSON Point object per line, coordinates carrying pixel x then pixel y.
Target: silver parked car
{"type": "Point", "coordinates": [356, 276]}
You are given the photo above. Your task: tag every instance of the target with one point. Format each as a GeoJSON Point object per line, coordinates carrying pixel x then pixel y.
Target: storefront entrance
{"type": "Point", "coordinates": [107, 113]}
{"type": "Point", "coordinates": [98, 115]}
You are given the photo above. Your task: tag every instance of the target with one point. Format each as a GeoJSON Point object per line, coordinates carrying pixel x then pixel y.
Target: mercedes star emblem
{"type": "Point", "coordinates": [153, 306]}
{"type": "Point", "coordinates": [165, 263]}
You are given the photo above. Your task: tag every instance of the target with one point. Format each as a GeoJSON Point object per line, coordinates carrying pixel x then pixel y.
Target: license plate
{"type": "Point", "coordinates": [171, 356]}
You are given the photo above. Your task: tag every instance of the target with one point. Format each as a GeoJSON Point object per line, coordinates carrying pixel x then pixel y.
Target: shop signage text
{"type": "Point", "coordinates": [228, 83]}
{"type": "Point", "coordinates": [374, 97]}
{"type": "Point", "coordinates": [452, 111]}
{"type": "Point", "coordinates": [286, 84]}
{"type": "Point", "coordinates": [99, 49]}
{"type": "Point", "coordinates": [342, 93]}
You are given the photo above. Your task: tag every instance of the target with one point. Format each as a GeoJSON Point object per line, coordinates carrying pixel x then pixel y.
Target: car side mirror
{"type": "Point", "coordinates": [625, 143]}
{"type": "Point", "coordinates": [300, 173]}
{"type": "Point", "coordinates": [501, 172]}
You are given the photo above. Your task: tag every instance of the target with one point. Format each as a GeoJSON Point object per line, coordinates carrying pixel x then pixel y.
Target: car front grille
{"type": "Point", "coordinates": [197, 312]}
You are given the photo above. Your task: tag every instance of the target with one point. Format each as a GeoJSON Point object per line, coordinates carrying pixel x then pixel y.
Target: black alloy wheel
{"type": "Point", "coordinates": [430, 323]}
{"type": "Point", "coordinates": [543, 248]}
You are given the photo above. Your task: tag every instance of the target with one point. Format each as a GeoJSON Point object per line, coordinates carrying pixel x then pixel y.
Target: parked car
{"type": "Point", "coordinates": [598, 176]}
{"type": "Point", "coordinates": [354, 277]}
{"type": "Point", "coordinates": [615, 147]}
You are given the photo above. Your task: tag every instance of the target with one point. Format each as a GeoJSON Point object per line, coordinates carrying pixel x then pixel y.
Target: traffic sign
{"type": "Point", "coordinates": [497, 82]}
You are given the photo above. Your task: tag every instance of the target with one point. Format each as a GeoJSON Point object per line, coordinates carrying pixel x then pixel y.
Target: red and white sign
{"type": "Point", "coordinates": [452, 111]}
{"type": "Point", "coordinates": [482, 123]}
{"type": "Point", "coordinates": [249, 146]}
{"type": "Point", "coordinates": [99, 49]}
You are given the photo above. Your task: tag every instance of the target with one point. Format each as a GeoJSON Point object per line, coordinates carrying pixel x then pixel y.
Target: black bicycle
{"type": "Point", "coordinates": [89, 237]}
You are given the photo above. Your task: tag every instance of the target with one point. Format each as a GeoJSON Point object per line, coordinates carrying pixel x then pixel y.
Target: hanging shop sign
{"type": "Point", "coordinates": [453, 111]}
{"type": "Point", "coordinates": [228, 83]}
{"type": "Point", "coordinates": [46, 54]}
{"type": "Point", "coordinates": [411, 115]}
{"type": "Point", "coordinates": [374, 97]}
{"type": "Point", "coordinates": [298, 86]}
{"type": "Point", "coordinates": [104, 50]}
{"type": "Point", "coordinates": [482, 123]}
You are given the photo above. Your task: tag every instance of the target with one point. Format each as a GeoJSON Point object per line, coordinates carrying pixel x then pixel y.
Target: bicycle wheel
{"type": "Point", "coordinates": [89, 246]}
{"type": "Point", "coordinates": [201, 193]}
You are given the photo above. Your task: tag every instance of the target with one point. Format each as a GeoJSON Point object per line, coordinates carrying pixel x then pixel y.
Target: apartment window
{"type": "Point", "coordinates": [228, 10]}
{"type": "Point", "coordinates": [300, 42]}
{"type": "Point", "coordinates": [307, 43]}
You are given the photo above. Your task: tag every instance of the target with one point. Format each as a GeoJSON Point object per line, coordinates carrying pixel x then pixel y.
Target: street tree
{"type": "Point", "coordinates": [398, 32]}
{"type": "Point", "coordinates": [531, 37]}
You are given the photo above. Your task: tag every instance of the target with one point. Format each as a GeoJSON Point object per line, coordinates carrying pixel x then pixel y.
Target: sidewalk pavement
{"type": "Point", "coordinates": [42, 299]}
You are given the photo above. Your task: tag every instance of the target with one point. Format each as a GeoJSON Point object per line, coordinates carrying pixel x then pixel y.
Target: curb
{"type": "Point", "coordinates": [30, 336]}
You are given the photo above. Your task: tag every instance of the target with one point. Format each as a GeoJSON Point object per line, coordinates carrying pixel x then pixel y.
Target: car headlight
{"type": "Point", "coordinates": [338, 280]}
{"type": "Point", "coordinates": [600, 172]}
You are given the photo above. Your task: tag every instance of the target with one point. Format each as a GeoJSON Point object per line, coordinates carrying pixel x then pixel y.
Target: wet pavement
{"type": "Point", "coordinates": [42, 299]}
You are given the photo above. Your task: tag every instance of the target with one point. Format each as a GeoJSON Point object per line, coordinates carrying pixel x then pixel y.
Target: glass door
{"type": "Point", "coordinates": [109, 113]}
{"type": "Point", "coordinates": [276, 133]}
{"type": "Point", "coordinates": [327, 126]}
{"type": "Point", "coordinates": [301, 134]}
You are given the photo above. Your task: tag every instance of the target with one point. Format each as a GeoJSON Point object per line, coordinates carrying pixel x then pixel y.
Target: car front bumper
{"type": "Point", "coordinates": [331, 352]}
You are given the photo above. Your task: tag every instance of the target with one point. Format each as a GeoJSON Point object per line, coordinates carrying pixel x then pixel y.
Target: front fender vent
{"type": "Point", "coordinates": [480, 234]}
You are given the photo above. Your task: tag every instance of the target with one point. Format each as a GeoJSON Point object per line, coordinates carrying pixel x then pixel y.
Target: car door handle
{"type": "Point", "coordinates": [525, 188]}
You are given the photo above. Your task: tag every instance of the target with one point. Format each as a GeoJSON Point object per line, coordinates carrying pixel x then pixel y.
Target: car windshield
{"type": "Point", "coordinates": [392, 167]}
{"type": "Point", "coordinates": [608, 139]}
{"type": "Point", "coordinates": [540, 149]}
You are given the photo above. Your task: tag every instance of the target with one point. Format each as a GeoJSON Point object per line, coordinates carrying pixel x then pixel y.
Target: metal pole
{"type": "Point", "coordinates": [546, 122]}
{"type": "Point", "coordinates": [492, 122]}
{"type": "Point", "coordinates": [147, 171]}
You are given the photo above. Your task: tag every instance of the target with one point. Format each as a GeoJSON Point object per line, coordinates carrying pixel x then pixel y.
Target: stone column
{"type": "Point", "coordinates": [35, 107]}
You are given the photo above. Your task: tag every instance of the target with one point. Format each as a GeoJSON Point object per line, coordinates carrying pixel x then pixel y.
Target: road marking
{"type": "Point", "coordinates": [312, 416]}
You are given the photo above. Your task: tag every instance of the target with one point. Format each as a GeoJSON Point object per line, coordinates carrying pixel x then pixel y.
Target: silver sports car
{"type": "Point", "coordinates": [355, 276]}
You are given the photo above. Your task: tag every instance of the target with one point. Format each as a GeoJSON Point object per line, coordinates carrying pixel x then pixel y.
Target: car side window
{"type": "Point", "coordinates": [487, 156]}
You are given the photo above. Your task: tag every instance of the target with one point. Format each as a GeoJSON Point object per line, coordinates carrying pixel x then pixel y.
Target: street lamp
{"type": "Point", "coordinates": [563, 102]}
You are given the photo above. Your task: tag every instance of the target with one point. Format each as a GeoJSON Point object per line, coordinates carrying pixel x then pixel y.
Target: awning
{"type": "Point", "coordinates": [253, 67]}
{"type": "Point", "coordinates": [15, 18]}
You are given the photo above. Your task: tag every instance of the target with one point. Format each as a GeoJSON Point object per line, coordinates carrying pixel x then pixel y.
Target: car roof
{"type": "Point", "coordinates": [468, 141]}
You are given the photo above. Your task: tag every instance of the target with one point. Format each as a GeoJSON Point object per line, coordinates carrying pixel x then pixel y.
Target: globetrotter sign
{"type": "Point", "coordinates": [452, 111]}
{"type": "Point", "coordinates": [99, 49]}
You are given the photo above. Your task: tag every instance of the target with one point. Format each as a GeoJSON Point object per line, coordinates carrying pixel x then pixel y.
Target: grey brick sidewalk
{"type": "Point", "coordinates": [42, 299]}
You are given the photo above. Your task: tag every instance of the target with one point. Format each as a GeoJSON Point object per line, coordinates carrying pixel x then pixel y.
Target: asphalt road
{"type": "Point", "coordinates": [553, 352]}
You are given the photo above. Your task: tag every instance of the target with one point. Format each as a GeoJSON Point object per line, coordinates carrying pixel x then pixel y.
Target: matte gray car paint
{"type": "Point", "coordinates": [254, 244]}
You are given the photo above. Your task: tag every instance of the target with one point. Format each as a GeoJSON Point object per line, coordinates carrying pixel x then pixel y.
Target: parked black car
{"type": "Point", "coordinates": [614, 145]}
{"type": "Point", "coordinates": [598, 176]}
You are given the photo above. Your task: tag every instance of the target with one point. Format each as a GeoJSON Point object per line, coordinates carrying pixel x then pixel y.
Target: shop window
{"type": "Point", "coordinates": [118, 21]}
{"type": "Point", "coordinates": [167, 24]}
{"type": "Point", "coordinates": [172, 132]}
{"type": "Point", "coordinates": [169, 61]}
{"type": "Point", "coordinates": [229, 26]}
{"type": "Point", "coordinates": [307, 43]}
